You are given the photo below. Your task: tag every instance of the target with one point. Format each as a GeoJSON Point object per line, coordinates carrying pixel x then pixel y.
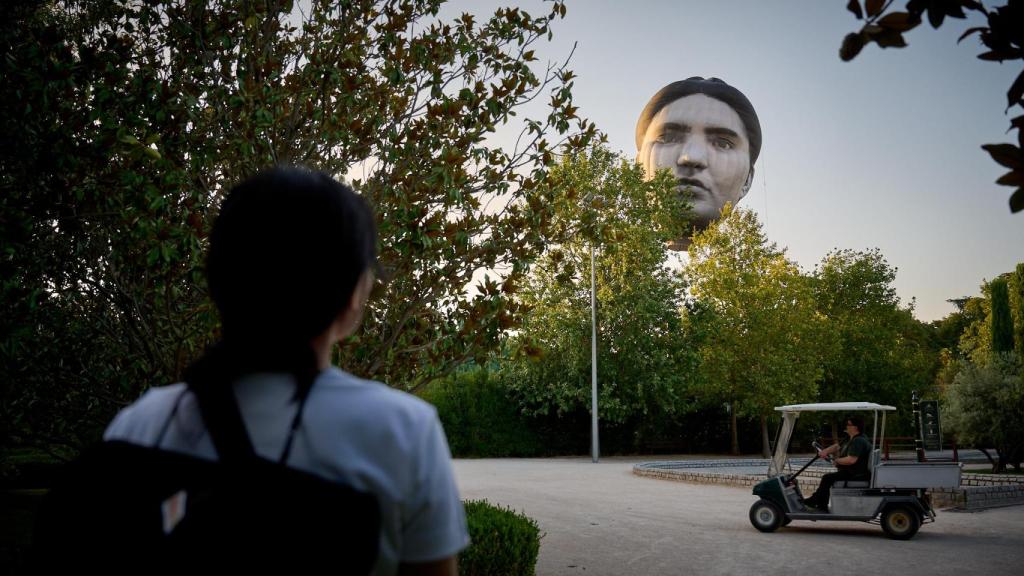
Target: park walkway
{"type": "Point", "coordinates": [603, 519]}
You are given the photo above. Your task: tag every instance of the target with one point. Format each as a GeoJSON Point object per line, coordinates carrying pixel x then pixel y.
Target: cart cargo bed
{"type": "Point", "coordinates": [916, 475]}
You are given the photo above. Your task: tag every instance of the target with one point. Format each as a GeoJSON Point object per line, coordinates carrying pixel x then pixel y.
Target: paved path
{"type": "Point", "coordinates": [601, 519]}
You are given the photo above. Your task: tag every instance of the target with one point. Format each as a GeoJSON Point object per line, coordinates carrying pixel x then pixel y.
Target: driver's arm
{"type": "Point", "coordinates": [846, 460]}
{"type": "Point", "coordinates": [830, 450]}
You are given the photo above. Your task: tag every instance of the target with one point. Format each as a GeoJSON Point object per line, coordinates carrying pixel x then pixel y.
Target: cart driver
{"type": "Point", "coordinates": [852, 463]}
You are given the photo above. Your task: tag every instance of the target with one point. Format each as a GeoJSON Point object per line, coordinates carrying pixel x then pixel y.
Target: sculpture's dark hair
{"type": "Point", "coordinates": [285, 255]}
{"type": "Point", "coordinates": [713, 88]}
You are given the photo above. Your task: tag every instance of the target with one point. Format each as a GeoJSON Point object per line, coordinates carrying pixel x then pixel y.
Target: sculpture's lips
{"type": "Point", "coordinates": [692, 183]}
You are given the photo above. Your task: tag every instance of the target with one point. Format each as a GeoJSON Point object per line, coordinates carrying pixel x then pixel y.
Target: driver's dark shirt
{"type": "Point", "coordinates": [860, 447]}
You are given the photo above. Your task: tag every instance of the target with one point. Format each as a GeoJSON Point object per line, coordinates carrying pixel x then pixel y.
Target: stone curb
{"type": "Point", "coordinates": [972, 494]}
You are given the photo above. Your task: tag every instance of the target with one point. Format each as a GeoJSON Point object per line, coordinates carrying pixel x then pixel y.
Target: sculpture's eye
{"type": "Point", "coordinates": [670, 137]}
{"type": "Point", "coordinates": [723, 143]}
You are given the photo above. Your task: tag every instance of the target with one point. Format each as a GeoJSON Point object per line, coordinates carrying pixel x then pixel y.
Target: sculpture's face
{"type": "Point", "coordinates": [703, 143]}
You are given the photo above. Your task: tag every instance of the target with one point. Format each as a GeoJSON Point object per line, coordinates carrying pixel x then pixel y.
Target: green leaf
{"type": "Point", "coordinates": [954, 9]}
{"type": "Point", "coordinates": [935, 15]}
{"type": "Point", "coordinates": [969, 32]}
{"type": "Point", "coordinates": [898, 21]}
{"type": "Point", "coordinates": [853, 43]}
{"type": "Point", "coordinates": [854, 6]}
{"type": "Point", "coordinates": [873, 7]}
{"type": "Point", "coordinates": [889, 39]}
{"type": "Point", "coordinates": [1012, 178]}
{"type": "Point", "coordinates": [1016, 92]}
{"type": "Point", "coordinates": [1006, 155]}
{"type": "Point", "coordinates": [1017, 201]}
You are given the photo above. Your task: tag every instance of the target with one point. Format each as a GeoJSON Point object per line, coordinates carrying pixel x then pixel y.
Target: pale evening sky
{"type": "Point", "coordinates": [879, 152]}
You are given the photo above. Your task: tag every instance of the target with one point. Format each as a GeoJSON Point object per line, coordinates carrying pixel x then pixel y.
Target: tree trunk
{"type": "Point", "coordinates": [990, 459]}
{"type": "Point", "coordinates": [734, 446]}
{"type": "Point", "coordinates": [766, 449]}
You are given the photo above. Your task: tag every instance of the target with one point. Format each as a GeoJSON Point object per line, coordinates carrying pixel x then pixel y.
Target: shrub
{"type": "Point", "coordinates": [482, 418]}
{"type": "Point", "coordinates": [505, 542]}
{"type": "Point", "coordinates": [479, 417]}
{"type": "Point", "coordinates": [986, 408]}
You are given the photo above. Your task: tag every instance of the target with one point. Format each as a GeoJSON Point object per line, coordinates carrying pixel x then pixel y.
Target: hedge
{"type": "Point", "coordinates": [504, 542]}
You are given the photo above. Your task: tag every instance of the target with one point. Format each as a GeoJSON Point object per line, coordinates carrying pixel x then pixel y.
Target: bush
{"type": "Point", "coordinates": [986, 407]}
{"type": "Point", "coordinates": [482, 418]}
{"type": "Point", "coordinates": [505, 542]}
{"type": "Point", "coordinates": [479, 417]}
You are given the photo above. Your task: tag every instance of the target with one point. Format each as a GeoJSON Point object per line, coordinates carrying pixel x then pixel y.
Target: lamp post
{"type": "Point", "coordinates": [594, 449]}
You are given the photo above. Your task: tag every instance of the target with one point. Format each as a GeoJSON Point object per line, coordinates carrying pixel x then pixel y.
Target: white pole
{"type": "Point", "coordinates": [594, 451]}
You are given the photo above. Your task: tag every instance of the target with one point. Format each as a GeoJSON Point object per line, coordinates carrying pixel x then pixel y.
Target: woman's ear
{"type": "Point", "coordinates": [348, 320]}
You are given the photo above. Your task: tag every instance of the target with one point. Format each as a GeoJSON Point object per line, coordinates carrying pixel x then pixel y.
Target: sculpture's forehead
{"type": "Point", "coordinates": [699, 111]}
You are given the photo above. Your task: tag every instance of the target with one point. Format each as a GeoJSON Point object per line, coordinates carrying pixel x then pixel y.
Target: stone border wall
{"type": "Point", "coordinates": [697, 477]}
{"type": "Point", "coordinates": [973, 493]}
{"type": "Point", "coordinates": [990, 479]}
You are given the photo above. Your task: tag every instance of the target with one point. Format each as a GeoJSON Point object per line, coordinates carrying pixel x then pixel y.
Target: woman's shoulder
{"type": "Point", "coordinates": [385, 436]}
{"type": "Point", "coordinates": [144, 417]}
{"type": "Point", "coordinates": [372, 399]}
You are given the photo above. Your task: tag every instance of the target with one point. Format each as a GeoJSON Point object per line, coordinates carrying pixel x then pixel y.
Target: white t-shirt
{"type": "Point", "coordinates": [358, 432]}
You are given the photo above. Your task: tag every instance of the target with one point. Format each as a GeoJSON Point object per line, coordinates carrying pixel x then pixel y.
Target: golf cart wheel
{"type": "Point", "coordinates": [900, 522]}
{"type": "Point", "coordinates": [765, 516]}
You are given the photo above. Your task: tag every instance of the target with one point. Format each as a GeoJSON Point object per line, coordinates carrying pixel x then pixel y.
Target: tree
{"type": "Point", "coordinates": [883, 352]}
{"type": "Point", "coordinates": [126, 122]}
{"type": "Point", "coordinates": [1003, 37]}
{"type": "Point", "coordinates": [766, 342]}
{"type": "Point", "coordinates": [976, 341]}
{"type": "Point", "coordinates": [1000, 321]}
{"type": "Point", "coordinates": [644, 365]}
{"type": "Point", "coordinates": [1017, 308]}
{"type": "Point", "coordinates": [976, 326]}
{"type": "Point", "coordinates": [986, 408]}
{"type": "Point", "coordinates": [947, 330]}
{"type": "Point", "coordinates": [991, 328]}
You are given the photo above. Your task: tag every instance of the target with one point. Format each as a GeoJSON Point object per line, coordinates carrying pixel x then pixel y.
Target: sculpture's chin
{"type": "Point", "coordinates": [678, 245]}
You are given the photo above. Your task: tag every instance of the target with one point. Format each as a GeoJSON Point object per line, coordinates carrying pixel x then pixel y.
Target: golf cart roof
{"type": "Point", "coordinates": [835, 407]}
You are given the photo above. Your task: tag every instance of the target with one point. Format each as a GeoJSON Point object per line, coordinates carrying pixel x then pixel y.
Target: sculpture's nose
{"type": "Point", "coordinates": [693, 154]}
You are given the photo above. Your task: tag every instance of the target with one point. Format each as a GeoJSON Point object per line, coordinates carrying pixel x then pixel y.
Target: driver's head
{"type": "Point", "coordinates": [854, 421]}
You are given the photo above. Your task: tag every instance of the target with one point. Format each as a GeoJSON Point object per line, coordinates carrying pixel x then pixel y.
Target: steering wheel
{"type": "Point", "coordinates": [828, 457]}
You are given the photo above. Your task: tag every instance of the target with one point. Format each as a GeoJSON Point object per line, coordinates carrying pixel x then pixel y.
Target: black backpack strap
{"type": "Point", "coordinates": [219, 409]}
{"type": "Point", "coordinates": [211, 378]}
{"type": "Point", "coordinates": [170, 419]}
{"type": "Point", "coordinates": [223, 419]}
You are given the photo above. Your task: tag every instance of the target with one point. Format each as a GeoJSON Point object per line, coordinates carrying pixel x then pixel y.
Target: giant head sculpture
{"type": "Point", "coordinates": [706, 133]}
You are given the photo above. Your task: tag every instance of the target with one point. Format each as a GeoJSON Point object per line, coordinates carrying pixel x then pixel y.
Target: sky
{"type": "Point", "coordinates": [881, 152]}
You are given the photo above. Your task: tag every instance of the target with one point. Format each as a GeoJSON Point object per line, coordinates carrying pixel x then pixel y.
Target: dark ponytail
{"type": "Point", "coordinates": [286, 253]}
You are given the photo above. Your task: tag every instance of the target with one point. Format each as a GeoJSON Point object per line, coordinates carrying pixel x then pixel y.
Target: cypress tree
{"type": "Point", "coordinates": [1001, 323]}
{"type": "Point", "coordinates": [1017, 308]}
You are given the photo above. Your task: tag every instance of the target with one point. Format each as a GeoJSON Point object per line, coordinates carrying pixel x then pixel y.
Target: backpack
{"type": "Point", "coordinates": [122, 507]}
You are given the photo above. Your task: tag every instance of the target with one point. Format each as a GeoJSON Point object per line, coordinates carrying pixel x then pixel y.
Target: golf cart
{"type": "Point", "coordinates": [893, 496]}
